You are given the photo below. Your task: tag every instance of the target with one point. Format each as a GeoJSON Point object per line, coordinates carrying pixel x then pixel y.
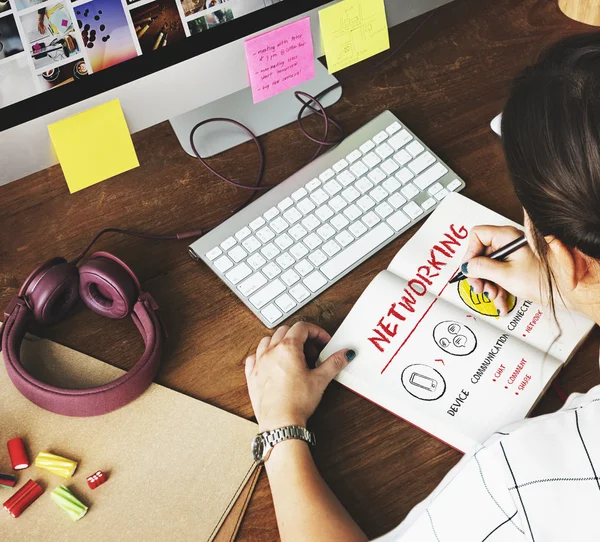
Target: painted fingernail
{"type": "Point", "coordinates": [350, 355]}
{"type": "Point", "coordinates": [498, 312]}
{"type": "Point", "coordinates": [464, 268]}
{"type": "Point", "coordinates": [471, 287]}
{"type": "Point", "coordinates": [486, 296]}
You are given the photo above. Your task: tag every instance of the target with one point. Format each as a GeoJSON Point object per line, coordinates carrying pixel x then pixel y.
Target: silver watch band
{"type": "Point", "coordinates": [290, 432]}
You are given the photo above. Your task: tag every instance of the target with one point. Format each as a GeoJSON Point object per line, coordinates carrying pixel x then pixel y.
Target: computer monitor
{"type": "Point", "coordinates": [161, 58]}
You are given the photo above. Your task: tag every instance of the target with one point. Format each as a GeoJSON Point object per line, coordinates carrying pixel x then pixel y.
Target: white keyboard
{"type": "Point", "coordinates": [306, 233]}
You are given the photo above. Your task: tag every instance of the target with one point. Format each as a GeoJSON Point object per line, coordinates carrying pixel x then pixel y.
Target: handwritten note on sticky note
{"type": "Point", "coordinates": [353, 30]}
{"type": "Point", "coordinates": [93, 146]}
{"type": "Point", "coordinates": [280, 59]}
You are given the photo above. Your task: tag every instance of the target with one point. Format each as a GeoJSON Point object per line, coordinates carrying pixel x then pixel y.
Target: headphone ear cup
{"type": "Point", "coordinates": [51, 290]}
{"type": "Point", "coordinates": [107, 287]}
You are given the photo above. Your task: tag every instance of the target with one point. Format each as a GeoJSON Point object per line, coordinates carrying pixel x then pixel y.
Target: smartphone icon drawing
{"type": "Point", "coordinates": [422, 381]}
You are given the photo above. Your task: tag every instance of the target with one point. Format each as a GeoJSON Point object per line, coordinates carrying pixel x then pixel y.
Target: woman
{"type": "Point", "coordinates": [538, 479]}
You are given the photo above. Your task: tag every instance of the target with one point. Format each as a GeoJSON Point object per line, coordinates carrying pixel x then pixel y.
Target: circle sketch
{"type": "Point", "coordinates": [423, 382]}
{"type": "Point", "coordinates": [454, 338]}
{"type": "Point", "coordinates": [480, 303]}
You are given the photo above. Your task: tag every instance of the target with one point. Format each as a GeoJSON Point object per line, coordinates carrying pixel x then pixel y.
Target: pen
{"type": "Point", "coordinates": [499, 254]}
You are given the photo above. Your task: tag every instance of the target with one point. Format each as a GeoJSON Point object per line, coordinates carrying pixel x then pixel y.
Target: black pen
{"type": "Point", "coordinates": [499, 254]}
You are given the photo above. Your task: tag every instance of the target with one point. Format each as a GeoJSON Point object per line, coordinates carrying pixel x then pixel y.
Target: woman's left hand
{"type": "Point", "coordinates": [283, 389]}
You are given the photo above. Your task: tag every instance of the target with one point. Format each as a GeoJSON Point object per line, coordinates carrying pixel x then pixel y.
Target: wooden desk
{"type": "Point", "coordinates": [446, 84]}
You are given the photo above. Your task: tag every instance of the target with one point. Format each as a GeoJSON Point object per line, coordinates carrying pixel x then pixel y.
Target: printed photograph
{"type": "Point", "coordinates": [157, 25]}
{"type": "Point", "coordinates": [16, 81]}
{"type": "Point", "coordinates": [56, 77]}
{"type": "Point", "coordinates": [5, 6]}
{"type": "Point", "coordinates": [105, 33]}
{"type": "Point", "coordinates": [210, 20]}
{"type": "Point", "coordinates": [23, 4]}
{"type": "Point", "coordinates": [190, 7]}
{"type": "Point", "coordinates": [10, 42]}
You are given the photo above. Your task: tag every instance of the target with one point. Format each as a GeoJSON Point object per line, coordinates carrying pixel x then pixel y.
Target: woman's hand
{"type": "Point", "coordinates": [519, 274]}
{"type": "Point", "coordinates": [283, 390]}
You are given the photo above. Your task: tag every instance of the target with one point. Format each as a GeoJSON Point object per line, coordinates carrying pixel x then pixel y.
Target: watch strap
{"type": "Point", "coordinates": [286, 433]}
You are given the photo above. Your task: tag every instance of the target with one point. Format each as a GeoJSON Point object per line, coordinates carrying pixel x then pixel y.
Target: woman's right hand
{"type": "Point", "coordinates": [519, 274]}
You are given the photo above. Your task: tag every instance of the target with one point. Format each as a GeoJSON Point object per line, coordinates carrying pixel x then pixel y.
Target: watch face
{"type": "Point", "coordinates": [258, 448]}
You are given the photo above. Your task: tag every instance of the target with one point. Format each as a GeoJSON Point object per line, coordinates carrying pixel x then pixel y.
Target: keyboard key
{"type": "Point", "coordinates": [370, 219]}
{"type": "Point", "coordinates": [412, 210]}
{"type": "Point", "coordinates": [351, 194]}
{"type": "Point", "coordinates": [304, 267]}
{"type": "Point", "coordinates": [352, 212]}
{"type": "Point", "coordinates": [315, 281]}
{"type": "Point", "coordinates": [358, 169]}
{"type": "Point", "coordinates": [434, 173]}
{"type": "Point", "coordinates": [324, 213]}
{"type": "Point", "coordinates": [434, 189]}
{"type": "Point", "coordinates": [300, 293]}
{"type": "Point", "coordinates": [384, 210]}
{"type": "Point", "coordinates": [345, 238]}
{"type": "Point", "coordinates": [237, 254]}
{"type": "Point", "coordinates": [228, 243]}
{"type": "Point", "coordinates": [319, 196]}
{"type": "Point", "coordinates": [278, 225]}
{"type": "Point", "coordinates": [313, 185]}
{"type": "Point", "coordinates": [396, 200]}
{"type": "Point", "coordinates": [376, 176]}
{"type": "Point", "coordinates": [265, 234]}
{"type": "Point", "coordinates": [428, 204]}
{"type": "Point", "coordinates": [402, 157]}
{"type": "Point", "coordinates": [339, 222]}
{"type": "Point", "coordinates": [415, 148]}
{"type": "Point", "coordinates": [268, 293]}
{"type": "Point", "coordinates": [393, 128]}
{"type": "Point", "coordinates": [271, 213]}
{"type": "Point", "coordinates": [384, 151]}
{"type": "Point", "coordinates": [285, 204]}
{"type": "Point", "coordinates": [380, 137]}
{"type": "Point", "coordinates": [251, 244]}
{"type": "Point", "coordinates": [317, 257]}
{"type": "Point", "coordinates": [337, 203]}
{"type": "Point", "coordinates": [306, 206]}
{"type": "Point", "coordinates": [298, 251]}
{"type": "Point", "coordinates": [312, 241]}
{"type": "Point", "coordinates": [345, 178]}
{"type": "Point", "coordinates": [367, 146]}
{"type": "Point", "coordinates": [290, 277]}
{"type": "Point", "coordinates": [345, 259]}
{"type": "Point", "coordinates": [270, 251]}
{"type": "Point", "coordinates": [285, 260]}
{"type": "Point", "coordinates": [390, 166]}
{"type": "Point", "coordinates": [299, 194]}
{"type": "Point", "coordinates": [378, 194]}
{"type": "Point", "coordinates": [339, 166]}
{"type": "Point", "coordinates": [223, 264]}
{"type": "Point", "coordinates": [271, 313]}
{"type": "Point", "coordinates": [292, 215]}
{"type": "Point", "coordinates": [256, 261]}
{"type": "Point", "coordinates": [453, 185]}
{"type": "Point", "coordinates": [332, 187]}
{"type": "Point", "coordinates": [363, 184]}
{"type": "Point", "coordinates": [399, 140]}
{"type": "Point", "coordinates": [311, 222]}
{"type": "Point", "coordinates": [238, 273]}
{"type": "Point", "coordinates": [357, 229]}
{"type": "Point", "coordinates": [257, 223]}
{"type": "Point", "coordinates": [353, 156]}
{"type": "Point", "coordinates": [212, 254]}
{"type": "Point", "coordinates": [422, 162]}
{"type": "Point", "coordinates": [250, 285]}
{"type": "Point", "coordinates": [371, 160]}
{"type": "Point", "coordinates": [284, 241]}
{"type": "Point", "coordinates": [365, 203]}
{"type": "Point", "coordinates": [285, 303]}
{"type": "Point", "coordinates": [326, 175]}
{"type": "Point", "coordinates": [441, 194]}
{"type": "Point", "coordinates": [243, 233]}
{"type": "Point", "coordinates": [410, 191]}
{"type": "Point", "coordinates": [404, 175]}
{"type": "Point", "coordinates": [331, 247]}
{"type": "Point", "coordinates": [398, 220]}
{"type": "Point", "coordinates": [326, 231]}
{"type": "Point", "coordinates": [297, 232]}
{"type": "Point", "coordinates": [271, 270]}
{"type": "Point", "coordinates": [391, 185]}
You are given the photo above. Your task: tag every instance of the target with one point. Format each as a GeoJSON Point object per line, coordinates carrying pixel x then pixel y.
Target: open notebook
{"type": "Point", "coordinates": [437, 355]}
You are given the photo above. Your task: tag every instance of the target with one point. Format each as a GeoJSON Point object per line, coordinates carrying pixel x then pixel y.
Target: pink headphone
{"type": "Point", "coordinates": [110, 288]}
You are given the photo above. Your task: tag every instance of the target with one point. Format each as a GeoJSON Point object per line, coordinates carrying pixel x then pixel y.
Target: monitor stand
{"type": "Point", "coordinates": [261, 118]}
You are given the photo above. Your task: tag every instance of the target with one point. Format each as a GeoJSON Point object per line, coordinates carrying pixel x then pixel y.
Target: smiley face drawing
{"type": "Point", "coordinates": [454, 338]}
{"type": "Point", "coordinates": [480, 303]}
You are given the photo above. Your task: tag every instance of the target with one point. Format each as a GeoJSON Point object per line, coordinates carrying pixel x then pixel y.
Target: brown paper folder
{"type": "Point", "coordinates": [176, 467]}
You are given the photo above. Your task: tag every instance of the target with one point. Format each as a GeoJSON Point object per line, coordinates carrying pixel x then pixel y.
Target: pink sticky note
{"type": "Point", "coordinates": [280, 59]}
{"type": "Point", "coordinates": [65, 22]}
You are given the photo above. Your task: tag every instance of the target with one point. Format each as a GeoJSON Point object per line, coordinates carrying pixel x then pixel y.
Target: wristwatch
{"type": "Point", "coordinates": [263, 443]}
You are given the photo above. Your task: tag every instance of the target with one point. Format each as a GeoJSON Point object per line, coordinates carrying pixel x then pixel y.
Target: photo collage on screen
{"type": "Point", "coordinates": [45, 44]}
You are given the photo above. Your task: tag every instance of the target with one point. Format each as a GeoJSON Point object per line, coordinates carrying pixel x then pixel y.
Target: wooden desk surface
{"type": "Point", "coordinates": [447, 83]}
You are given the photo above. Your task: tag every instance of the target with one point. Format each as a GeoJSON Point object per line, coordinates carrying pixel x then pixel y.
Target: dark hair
{"type": "Point", "coordinates": [551, 135]}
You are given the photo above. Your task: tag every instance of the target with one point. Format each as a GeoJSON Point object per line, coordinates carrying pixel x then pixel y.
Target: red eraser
{"type": "Point", "coordinates": [18, 454]}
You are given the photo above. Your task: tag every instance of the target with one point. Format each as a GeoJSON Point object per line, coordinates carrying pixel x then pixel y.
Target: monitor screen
{"type": "Point", "coordinates": [82, 48]}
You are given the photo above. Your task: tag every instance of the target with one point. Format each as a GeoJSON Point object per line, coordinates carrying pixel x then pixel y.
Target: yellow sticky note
{"type": "Point", "coordinates": [353, 30]}
{"type": "Point", "coordinates": [93, 146]}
